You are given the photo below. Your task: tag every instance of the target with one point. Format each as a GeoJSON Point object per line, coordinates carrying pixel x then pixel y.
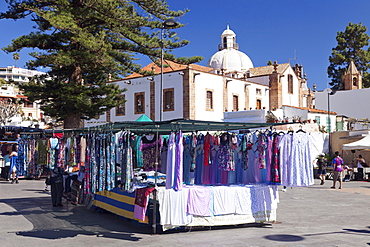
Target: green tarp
{"type": "Point", "coordinates": [166, 127]}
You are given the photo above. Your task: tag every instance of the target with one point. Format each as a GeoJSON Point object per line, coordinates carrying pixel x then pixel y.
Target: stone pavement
{"type": "Point", "coordinates": [310, 216]}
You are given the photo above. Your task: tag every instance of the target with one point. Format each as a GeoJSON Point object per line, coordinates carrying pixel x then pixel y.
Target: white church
{"type": "Point", "coordinates": [229, 84]}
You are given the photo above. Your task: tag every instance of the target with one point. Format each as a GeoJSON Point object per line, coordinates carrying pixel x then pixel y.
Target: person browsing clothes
{"type": "Point", "coordinates": [338, 170]}
{"type": "Point", "coordinates": [322, 164]}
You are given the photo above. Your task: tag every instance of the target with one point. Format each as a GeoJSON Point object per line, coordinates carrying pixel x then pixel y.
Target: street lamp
{"type": "Point", "coordinates": [329, 92]}
{"type": "Point", "coordinates": [167, 24]}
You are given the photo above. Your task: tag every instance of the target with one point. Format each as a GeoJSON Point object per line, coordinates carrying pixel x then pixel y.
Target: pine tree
{"type": "Point", "coordinates": [351, 44]}
{"type": "Point", "coordinates": [84, 41]}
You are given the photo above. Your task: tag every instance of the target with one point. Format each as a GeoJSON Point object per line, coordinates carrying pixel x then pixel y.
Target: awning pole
{"type": "Point", "coordinates": [155, 183]}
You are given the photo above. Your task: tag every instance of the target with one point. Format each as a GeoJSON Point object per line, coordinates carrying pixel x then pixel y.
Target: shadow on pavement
{"type": "Point", "coordinates": [284, 238]}
{"type": "Point", "coordinates": [58, 234]}
{"type": "Point", "coordinates": [69, 221]}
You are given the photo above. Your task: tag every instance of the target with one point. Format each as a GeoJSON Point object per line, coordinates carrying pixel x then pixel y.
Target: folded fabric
{"type": "Point", "coordinates": [224, 200]}
{"type": "Point", "coordinates": [199, 201]}
{"type": "Point", "coordinates": [172, 207]}
{"type": "Point", "coordinates": [141, 196]}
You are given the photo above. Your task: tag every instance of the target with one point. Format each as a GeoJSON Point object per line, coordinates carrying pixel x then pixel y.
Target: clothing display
{"type": "Point", "coordinates": [219, 177]}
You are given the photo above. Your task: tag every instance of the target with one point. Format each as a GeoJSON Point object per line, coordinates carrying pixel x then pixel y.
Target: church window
{"type": "Point", "coordinates": [258, 91]}
{"type": "Point", "coordinates": [258, 104]}
{"type": "Point", "coordinates": [209, 100]}
{"type": "Point", "coordinates": [140, 103]}
{"type": "Point", "coordinates": [168, 99]}
{"type": "Point", "coordinates": [121, 109]}
{"type": "Point", "coordinates": [317, 118]}
{"type": "Point", "coordinates": [225, 42]}
{"type": "Point", "coordinates": [290, 84]}
{"type": "Point", "coordinates": [328, 124]}
{"type": "Point", "coordinates": [235, 103]}
{"type": "Point", "coordinates": [354, 81]}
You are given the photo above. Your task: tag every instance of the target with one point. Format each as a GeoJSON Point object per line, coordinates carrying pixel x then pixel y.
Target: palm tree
{"type": "Point", "coordinates": [16, 57]}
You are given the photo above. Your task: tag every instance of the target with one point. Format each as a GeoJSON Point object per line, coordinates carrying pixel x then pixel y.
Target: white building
{"type": "Point", "coordinates": [18, 75]}
{"type": "Point", "coordinates": [229, 83]}
{"type": "Point", "coordinates": [351, 101]}
{"type": "Point", "coordinates": [31, 114]}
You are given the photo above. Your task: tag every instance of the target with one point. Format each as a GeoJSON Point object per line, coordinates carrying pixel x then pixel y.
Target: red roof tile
{"type": "Point", "coordinates": [170, 66]}
{"type": "Point", "coordinates": [312, 110]}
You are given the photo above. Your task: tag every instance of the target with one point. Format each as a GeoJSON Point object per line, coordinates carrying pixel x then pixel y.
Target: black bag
{"type": "Point", "coordinates": [47, 181]}
{"type": "Point", "coordinates": [56, 175]}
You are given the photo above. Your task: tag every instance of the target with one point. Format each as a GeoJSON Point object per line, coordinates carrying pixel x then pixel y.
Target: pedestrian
{"type": "Point", "coordinates": [6, 168]}
{"type": "Point", "coordinates": [361, 163]}
{"type": "Point", "coordinates": [322, 164]}
{"type": "Point", "coordinates": [14, 164]}
{"type": "Point", "coordinates": [56, 184]}
{"type": "Point", "coordinates": [338, 170]}
{"type": "Point", "coordinates": [47, 180]}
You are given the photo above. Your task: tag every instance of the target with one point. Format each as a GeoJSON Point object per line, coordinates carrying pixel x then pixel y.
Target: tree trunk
{"type": "Point", "coordinates": [73, 121]}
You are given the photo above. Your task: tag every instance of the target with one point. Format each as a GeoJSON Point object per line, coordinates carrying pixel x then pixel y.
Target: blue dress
{"type": "Point", "coordinates": [14, 165]}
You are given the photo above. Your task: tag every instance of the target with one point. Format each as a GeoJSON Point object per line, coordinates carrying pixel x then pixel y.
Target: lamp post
{"type": "Point", "coordinates": [167, 24]}
{"type": "Point", "coordinates": [329, 92]}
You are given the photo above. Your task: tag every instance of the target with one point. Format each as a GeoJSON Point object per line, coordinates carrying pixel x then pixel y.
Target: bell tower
{"type": "Point", "coordinates": [352, 78]}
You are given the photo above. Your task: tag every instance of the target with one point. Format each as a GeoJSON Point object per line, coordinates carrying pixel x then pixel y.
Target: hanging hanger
{"type": "Point", "coordinates": [300, 129]}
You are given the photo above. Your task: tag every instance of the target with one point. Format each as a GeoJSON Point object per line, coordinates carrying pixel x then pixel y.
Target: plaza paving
{"type": "Point", "coordinates": [309, 216]}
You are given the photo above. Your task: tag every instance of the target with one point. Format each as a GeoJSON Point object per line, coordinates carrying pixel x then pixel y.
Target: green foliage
{"type": "Point", "coordinates": [82, 41]}
{"type": "Point", "coordinates": [351, 44]}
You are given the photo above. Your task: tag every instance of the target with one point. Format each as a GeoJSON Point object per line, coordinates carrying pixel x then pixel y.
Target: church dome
{"type": "Point", "coordinates": [229, 58]}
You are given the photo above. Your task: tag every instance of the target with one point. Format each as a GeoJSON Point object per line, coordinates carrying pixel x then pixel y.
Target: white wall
{"type": "Point", "coordinates": [351, 103]}
{"type": "Point", "coordinates": [290, 99]}
{"type": "Point", "coordinates": [171, 80]}
{"type": "Point", "coordinates": [204, 82]}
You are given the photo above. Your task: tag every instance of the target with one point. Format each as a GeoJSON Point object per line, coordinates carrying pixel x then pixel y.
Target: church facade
{"type": "Point", "coordinates": [229, 83]}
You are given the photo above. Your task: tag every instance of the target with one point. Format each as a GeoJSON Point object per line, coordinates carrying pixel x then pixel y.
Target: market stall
{"type": "Point", "coordinates": [189, 173]}
{"type": "Point", "coordinates": [363, 144]}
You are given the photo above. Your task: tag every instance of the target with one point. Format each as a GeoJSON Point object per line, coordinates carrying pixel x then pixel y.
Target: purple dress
{"type": "Point", "coordinates": [178, 162]}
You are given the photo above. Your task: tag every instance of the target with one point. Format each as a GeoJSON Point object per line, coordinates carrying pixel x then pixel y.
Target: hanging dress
{"type": "Point", "coordinates": [149, 147]}
{"type": "Point", "coordinates": [178, 174]}
{"type": "Point", "coordinates": [171, 159]}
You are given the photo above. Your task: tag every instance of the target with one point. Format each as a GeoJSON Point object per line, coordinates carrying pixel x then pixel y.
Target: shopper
{"type": "Point", "coordinates": [14, 164]}
{"type": "Point", "coordinates": [56, 184]}
{"type": "Point", "coordinates": [361, 163]}
{"type": "Point", "coordinates": [338, 170]}
{"type": "Point", "coordinates": [322, 164]}
{"type": "Point", "coordinates": [6, 168]}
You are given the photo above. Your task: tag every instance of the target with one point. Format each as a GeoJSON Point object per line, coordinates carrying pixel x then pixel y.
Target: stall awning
{"type": "Point", "coordinates": [362, 144]}
{"type": "Point", "coordinates": [166, 127]}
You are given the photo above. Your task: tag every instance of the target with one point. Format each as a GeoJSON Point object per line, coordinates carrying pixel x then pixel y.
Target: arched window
{"type": "Point", "coordinates": [235, 103]}
{"type": "Point", "coordinates": [290, 84]}
{"type": "Point", "coordinates": [225, 42]}
{"type": "Point", "coordinates": [209, 100]}
{"type": "Point", "coordinates": [121, 109]}
{"type": "Point", "coordinates": [139, 103]}
{"type": "Point", "coordinates": [354, 81]}
{"type": "Point", "coordinates": [258, 104]}
{"type": "Point", "coordinates": [169, 100]}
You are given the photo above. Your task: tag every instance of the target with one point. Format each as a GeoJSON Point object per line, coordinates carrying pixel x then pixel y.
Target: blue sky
{"type": "Point", "coordinates": [266, 30]}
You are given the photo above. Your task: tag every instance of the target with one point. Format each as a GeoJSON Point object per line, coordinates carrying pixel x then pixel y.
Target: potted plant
{"type": "Point", "coordinates": [270, 117]}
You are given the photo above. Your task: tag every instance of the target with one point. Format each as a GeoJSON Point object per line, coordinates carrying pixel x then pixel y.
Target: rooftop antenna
{"type": "Point", "coordinates": [294, 58]}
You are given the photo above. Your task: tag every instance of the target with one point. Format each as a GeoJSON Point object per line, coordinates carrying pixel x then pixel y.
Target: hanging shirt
{"type": "Point", "coordinates": [150, 148]}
